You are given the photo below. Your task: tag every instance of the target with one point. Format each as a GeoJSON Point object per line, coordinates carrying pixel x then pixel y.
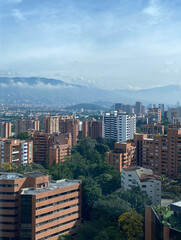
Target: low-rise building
{"type": "Point", "coordinates": [144, 178]}
{"type": "Point", "coordinates": [122, 156]}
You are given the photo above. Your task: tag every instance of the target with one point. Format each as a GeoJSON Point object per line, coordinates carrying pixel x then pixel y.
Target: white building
{"type": "Point", "coordinates": [145, 179]}
{"type": "Point", "coordinates": [119, 126]}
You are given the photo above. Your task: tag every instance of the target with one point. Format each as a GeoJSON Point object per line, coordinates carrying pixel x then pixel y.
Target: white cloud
{"type": "Point", "coordinates": [14, 1]}
{"type": "Point", "coordinates": [18, 15]}
{"type": "Point", "coordinates": [153, 9]}
{"type": "Point", "coordinates": [39, 85]}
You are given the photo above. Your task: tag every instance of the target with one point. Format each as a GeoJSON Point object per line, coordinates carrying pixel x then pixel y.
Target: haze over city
{"type": "Point", "coordinates": [110, 44]}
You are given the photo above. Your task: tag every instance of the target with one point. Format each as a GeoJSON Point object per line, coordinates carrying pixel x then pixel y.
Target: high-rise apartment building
{"type": "Point", "coordinates": [138, 107]}
{"type": "Point", "coordinates": [51, 124]}
{"type": "Point", "coordinates": [162, 107]}
{"type": "Point", "coordinates": [5, 129]}
{"type": "Point", "coordinates": [58, 152]}
{"type": "Point", "coordinates": [174, 115]}
{"type": "Point", "coordinates": [51, 148]}
{"type": "Point", "coordinates": [41, 143]}
{"type": "Point", "coordinates": [162, 154]}
{"type": "Point", "coordinates": [67, 124]}
{"type": "Point", "coordinates": [92, 128]}
{"type": "Point", "coordinates": [16, 151]}
{"type": "Point", "coordinates": [118, 106]}
{"type": "Point", "coordinates": [70, 125]}
{"type": "Point", "coordinates": [36, 208]}
{"type": "Point", "coordinates": [154, 115]}
{"type": "Point", "coordinates": [123, 155]}
{"type": "Point", "coordinates": [119, 126]}
{"type": "Point", "coordinates": [23, 125]}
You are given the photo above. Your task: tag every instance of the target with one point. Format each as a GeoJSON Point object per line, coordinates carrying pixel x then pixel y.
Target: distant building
{"type": "Point", "coordinates": [118, 106]}
{"type": "Point", "coordinates": [58, 152]}
{"type": "Point", "coordinates": [70, 125]}
{"type": "Point", "coordinates": [51, 124]}
{"type": "Point", "coordinates": [5, 129]}
{"type": "Point", "coordinates": [119, 126]}
{"type": "Point", "coordinates": [61, 124]}
{"type": "Point", "coordinates": [153, 128]}
{"type": "Point", "coordinates": [35, 207]}
{"type": "Point", "coordinates": [138, 107]}
{"type": "Point", "coordinates": [92, 128]}
{"type": "Point", "coordinates": [154, 115]}
{"type": "Point", "coordinates": [51, 148]}
{"type": "Point", "coordinates": [174, 114]}
{"type": "Point", "coordinates": [162, 107]}
{"type": "Point", "coordinates": [18, 152]}
{"type": "Point", "coordinates": [145, 179]}
{"type": "Point", "coordinates": [122, 156]}
{"type": "Point", "coordinates": [24, 125]}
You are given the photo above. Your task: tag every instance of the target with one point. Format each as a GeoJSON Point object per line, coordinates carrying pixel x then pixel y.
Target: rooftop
{"type": "Point", "coordinates": [10, 176]}
{"type": "Point", "coordinates": [36, 174]}
{"type": "Point", "coordinates": [131, 168]}
{"type": "Point", "coordinates": [52, 186]}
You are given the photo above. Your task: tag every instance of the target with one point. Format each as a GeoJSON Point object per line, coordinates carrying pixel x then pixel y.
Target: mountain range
{"type": "Point", "coordinates": [35, 90]}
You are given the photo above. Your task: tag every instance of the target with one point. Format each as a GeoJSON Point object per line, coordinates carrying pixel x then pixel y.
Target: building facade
{"type": "Point", "coordinates": [51, 148]}
{"type": "Point", "coordinates": [123, 155]}
{"type": "Point", "coordinates": [15, 151]}
{"type": "Point", "coordinates": [57, 153]}
{"type": "Point", "coordinates": [92, 128]}
{"type": "Point", "coordinates": [154, 115]}
{"type": "Point", "coordinates": [119, 126]}
{"type": "Point", "coordinates": [23, 125]}
{"type": "Point", "coordinates": [62, 124]}
{"type": "Point", "coordinates": [36, 208]}
{"type": "Point", "coordinates": [162, 154]}
{"type": "Point", "coordinates": [5, 129]}
{"type": "Point", "coordinates": [145, 179]}
{"type": "Point", "coordinates": [153, 128]}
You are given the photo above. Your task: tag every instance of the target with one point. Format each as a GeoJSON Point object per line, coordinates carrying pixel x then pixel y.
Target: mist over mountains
{"type": "Point", "coordinates": [35, 90]}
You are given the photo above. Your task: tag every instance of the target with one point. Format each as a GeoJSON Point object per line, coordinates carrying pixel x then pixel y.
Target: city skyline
{"type": "Point", "coordinates": [109, 44]}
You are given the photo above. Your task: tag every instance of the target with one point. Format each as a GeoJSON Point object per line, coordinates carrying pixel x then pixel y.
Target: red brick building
{"type": "Point", "coordinates": [5, 129]}
{"type": "Point", "coordinates": [162, 154]}
{"type": "Point", "coordinates": [123, 155]}
{"type": "Point", "coordinates": [23, 125]}
{"type": "Point", "coordinates": [92, 128]}
{"type": "Point", "coordinates": [51, 148]}
{"type": "Point", "coordinates": [153, 128]}
{"type": "Point", "coordinates": [36, 208]}
{"type": "Point", "coordinates": [15, 151]}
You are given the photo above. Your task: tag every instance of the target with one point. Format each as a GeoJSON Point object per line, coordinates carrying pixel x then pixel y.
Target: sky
{"type": "Point", "coordinates": [111, 44]}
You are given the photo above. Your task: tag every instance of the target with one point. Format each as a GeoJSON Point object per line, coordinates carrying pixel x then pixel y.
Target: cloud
{"type": "Point", "coordinates": [39, 85]}
{"type": "Point", "coordinates": [153, 9]}
{"type": "Point", "coordinates": [18, 15]}
{"type": "Point", "coordinates": [14, 1]}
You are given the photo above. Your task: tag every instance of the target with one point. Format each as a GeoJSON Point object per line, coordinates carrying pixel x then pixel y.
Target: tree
{"type": "Point", "coordinates": [65, 237]}
{"type": "Point", "coordinates": [131, 225]}
{"type": "Point", "coordinates": [23, 136]}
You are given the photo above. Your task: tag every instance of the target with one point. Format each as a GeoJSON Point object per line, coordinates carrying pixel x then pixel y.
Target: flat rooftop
{"type": "Point", "coordinates": [53, 185]}
{"type": "Point", "coordinates": [36, 174]}
{"type": "Point", "coordinates": [10, 176]}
